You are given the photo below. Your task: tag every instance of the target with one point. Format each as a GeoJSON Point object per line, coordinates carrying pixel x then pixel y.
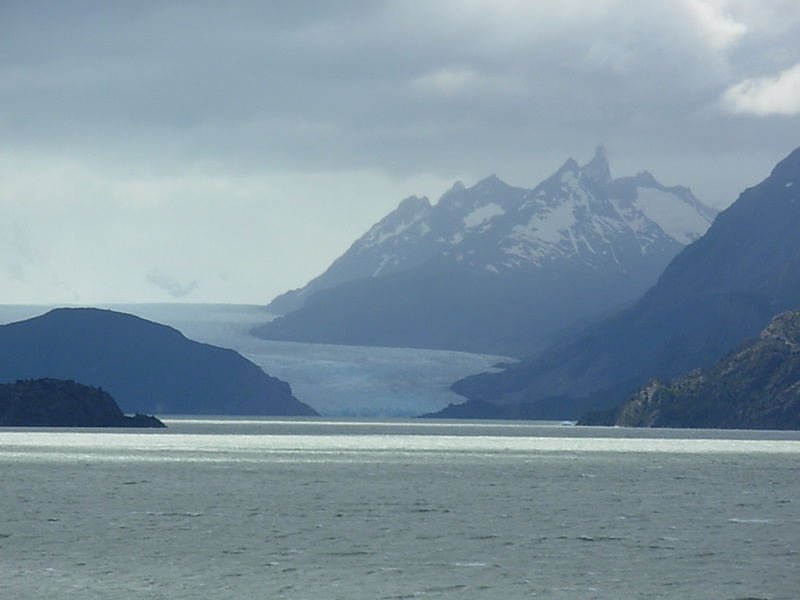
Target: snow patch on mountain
{"type": "Point", "coordinates": [570, 178]}
{"type": "Point", "coordinates": [482, 214]}
{"type": "Point", "coordinates": [380, 233]}
{"type": "Point", "coordinates": [546, 227]}
{"type": "Point", "coordinates": [578, 216]}
{"type": "Point", "coordinates": [681, 221]}
{"type": "Point", "coordinates": [384, 261]}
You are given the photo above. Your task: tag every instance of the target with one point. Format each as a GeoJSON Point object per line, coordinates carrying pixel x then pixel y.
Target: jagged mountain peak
{"type": "Point", "coordinates": [492, 179]}
{"type": "Point", "coordinates": [414, 203]}
{"type": "Point", "coordinates": [488, 190]}
{"type": "Point", "coordinates": [598, 169]}
{"type": "Point", "coordinates": [578, 241]}
{"type": "Point", "coordinates": [722, 288]}
{"type": "Point", "coordinates": [596, 172]}
{"type": "Point", "coordinates": [569, 166]}
{"type": "Point", "coordinates": [457, 188]}
{"type": "Point", "coordinates": [490, 183]}
{"type": "Point", "coordinates": [578, 213]}
{"type": "Point", "coordinates": [645, 178]}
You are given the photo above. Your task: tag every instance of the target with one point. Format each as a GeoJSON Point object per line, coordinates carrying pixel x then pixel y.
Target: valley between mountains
{"type": "Point", "coordinates": [616, 300]}
{"type": "Point", "coordinates": [597, 284]}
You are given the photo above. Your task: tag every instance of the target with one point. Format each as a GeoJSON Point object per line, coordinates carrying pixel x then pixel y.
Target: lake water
{"type": "Point", "coordinates": [336, 509]}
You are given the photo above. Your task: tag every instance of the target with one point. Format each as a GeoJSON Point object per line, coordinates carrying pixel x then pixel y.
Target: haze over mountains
{"type": "Point", "coordinates": [723, 288]}
{"type": "Point", "coordinates": [497, 269]}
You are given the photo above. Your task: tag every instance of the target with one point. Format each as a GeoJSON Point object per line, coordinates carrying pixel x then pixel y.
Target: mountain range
{"type": "Point", "coordinates": [721, 289]}
{"type": "Point", "coordinates": [494, 268]}
{"type": "Point", "coordinates": [148, 368]}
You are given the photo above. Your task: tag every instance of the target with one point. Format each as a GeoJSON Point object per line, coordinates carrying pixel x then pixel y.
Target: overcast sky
{"type": "Point", "coordinates": [204, 151]}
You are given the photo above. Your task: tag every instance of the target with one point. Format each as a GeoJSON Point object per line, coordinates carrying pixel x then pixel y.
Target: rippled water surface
{"type": "Point", "coordinates": [325, 509]}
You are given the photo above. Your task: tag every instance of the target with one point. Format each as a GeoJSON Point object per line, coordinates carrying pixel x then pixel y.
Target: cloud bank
{"type": "Point", "coordinates": [778, 95]}
{"type": "Point", "coordinates": [244, 145]}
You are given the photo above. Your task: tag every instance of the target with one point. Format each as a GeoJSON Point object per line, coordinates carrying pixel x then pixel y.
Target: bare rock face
{"type": "Point", "coordinates": [754, 387]}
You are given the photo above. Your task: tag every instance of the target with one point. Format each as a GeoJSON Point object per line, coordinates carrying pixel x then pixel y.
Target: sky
{"type": "Point", "coordinates": [225, 152]}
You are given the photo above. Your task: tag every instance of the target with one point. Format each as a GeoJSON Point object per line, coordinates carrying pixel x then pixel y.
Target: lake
{"type": "Point", "coordinates": [387, 509]}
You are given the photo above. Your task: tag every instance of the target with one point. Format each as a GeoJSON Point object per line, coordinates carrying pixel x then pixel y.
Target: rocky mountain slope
{"type": "Point", "coordinates": [63, 403]}
{"type": "Point", "coordinates": [497, 269]}
{"type": "Point", "coordinates": [722, 288]}
{"type": "Point", "coordinates": [755, 387]}
{"type": "Point", "coordinates": [147, 367]}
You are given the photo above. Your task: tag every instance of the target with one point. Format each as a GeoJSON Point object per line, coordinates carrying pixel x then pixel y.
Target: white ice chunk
{"type": "Point", "coordinates": [678, 219]}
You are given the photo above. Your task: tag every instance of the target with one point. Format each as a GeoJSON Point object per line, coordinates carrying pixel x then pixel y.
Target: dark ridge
{"type": "Point", "coordinates": [63, 403]}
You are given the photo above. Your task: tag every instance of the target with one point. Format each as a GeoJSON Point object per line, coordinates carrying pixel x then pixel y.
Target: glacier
{"type": "Point", "coordinates": [337, 381]}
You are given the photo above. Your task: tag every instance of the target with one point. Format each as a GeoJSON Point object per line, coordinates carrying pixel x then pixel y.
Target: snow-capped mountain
{"type": "Point", "coordinates": [411, 235]}
{"type": "Point", "coordinates": [720, 290]}
{"type": "Point", "coordinates": [573, 247]}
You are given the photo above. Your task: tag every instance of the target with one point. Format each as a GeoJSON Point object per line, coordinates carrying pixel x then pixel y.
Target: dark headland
{"type": "Point", "coordinates": [63, 403]}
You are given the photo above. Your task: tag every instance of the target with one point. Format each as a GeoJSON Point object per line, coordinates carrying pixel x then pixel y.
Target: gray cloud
{"type": "Point", "coordinates": [363, 83]}
{"type": "Point", "coordinates": [296, 103]}
{"type": "Point", "coordinates": [172, 286]}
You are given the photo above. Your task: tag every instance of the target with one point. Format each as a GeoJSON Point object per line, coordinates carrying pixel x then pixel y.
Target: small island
{"type": "Point", "coordinates": [63, 403]}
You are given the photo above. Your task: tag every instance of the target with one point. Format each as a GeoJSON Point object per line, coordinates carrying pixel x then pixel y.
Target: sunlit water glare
{"type": "Point", "coordinates": [325, 509]}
